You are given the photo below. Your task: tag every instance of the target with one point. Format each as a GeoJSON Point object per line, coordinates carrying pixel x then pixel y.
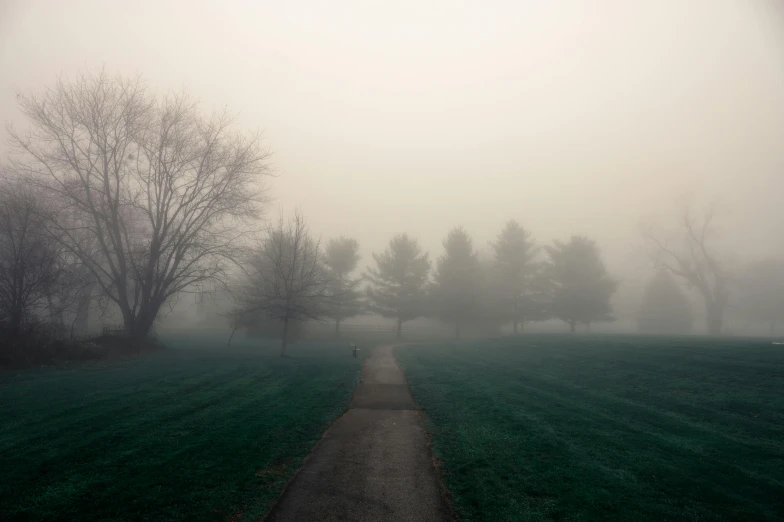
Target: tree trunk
{"type": "Point", "coordinates": [285, 336]}
{"type": "Point", "coordinates": [399, 328]}
{"type": "Point", "coordinates": [138, 326]}
{"type": "Point", "coordinates": [571, 326]}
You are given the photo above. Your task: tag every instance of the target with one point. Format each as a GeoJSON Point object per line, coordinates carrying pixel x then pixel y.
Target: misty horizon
{"type": "Point", "coordinates": [416, 119]}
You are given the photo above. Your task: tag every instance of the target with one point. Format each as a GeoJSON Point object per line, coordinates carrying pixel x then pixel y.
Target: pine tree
{"type": "Point", "coordinates": [580, 284]}
{"type": "Point", "coordinates": [456, 291]}
{"type": "Point", "coordinates": [515, 271]}
{"type": "Point", "coordinates": [398, 283]}
{"type": "Point", "coordinates": [345, 299]}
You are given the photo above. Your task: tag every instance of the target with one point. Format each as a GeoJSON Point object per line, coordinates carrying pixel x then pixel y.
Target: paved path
{"type": "Point", "coordinates": [373, 463]}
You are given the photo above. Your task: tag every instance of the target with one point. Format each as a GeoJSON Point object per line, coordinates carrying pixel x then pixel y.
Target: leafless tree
{"type": "Point", "coordinates": [38, 278]}
{"type": "Point", "coordinates": [153, 198]}
{"type": "Point", "coordinates": [286, 278]}
{"type": "Point", "coordinates": [693, 257]}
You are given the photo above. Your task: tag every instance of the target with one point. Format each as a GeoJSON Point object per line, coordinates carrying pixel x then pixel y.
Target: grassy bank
{"type": "Point", "coordinates": [198, 431]}
{"type": "Point", "coordinates": [606, 428]}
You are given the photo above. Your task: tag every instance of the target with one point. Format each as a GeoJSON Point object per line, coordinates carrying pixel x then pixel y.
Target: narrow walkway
{"type": "Point", "coordinates": [373, 463]}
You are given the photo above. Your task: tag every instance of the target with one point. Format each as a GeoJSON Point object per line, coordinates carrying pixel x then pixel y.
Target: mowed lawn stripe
{"type": "Point", "coordinates": [188, 434]}
{"type": "Point", "coordinates": [591, 427]}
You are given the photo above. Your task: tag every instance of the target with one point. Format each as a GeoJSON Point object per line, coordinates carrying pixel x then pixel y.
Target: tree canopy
{"type": "Point", "coordinates": [457, 280]}
{"type": "Point", "coordinates": [515, 270]}
{"type": "Point", "coordinates": [345, 298]}
{"type": "Point", "coordinates": [151, 196]}
{"type": "Point", "coordinates": [581, 285]}
{"type": "Point", "coordinates": [286, 280]}
{"type": "Point", "coordinates": [397, 286]}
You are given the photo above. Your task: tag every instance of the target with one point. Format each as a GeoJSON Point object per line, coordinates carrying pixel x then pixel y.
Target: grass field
{"type": "Point", "coordinates": [606, 428]}
{"type": "Point", "coordinates": [196, 432]}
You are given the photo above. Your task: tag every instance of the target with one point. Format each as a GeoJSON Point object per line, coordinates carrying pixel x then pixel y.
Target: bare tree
{"type": "Point", "coordinates": [287, 280]}
{"type": "Point", "coordinates": [38, 278]}
{"type": "Point", "coordinates": [153, 198]}
{"type": "Point", "coordinates": [693, 258]}
{"type": "Point", "coordinates": [29, 264]}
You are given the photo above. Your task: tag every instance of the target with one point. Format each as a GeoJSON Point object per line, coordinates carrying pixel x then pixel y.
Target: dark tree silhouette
{"type": "Point", "coordinates": [398, 283]}
{"type": "Point", "coordinates": [39, 280]}
{"type": "Point", "coordinates": [151, 197]}
{"type": "Point", "coordinates": [581, 287]}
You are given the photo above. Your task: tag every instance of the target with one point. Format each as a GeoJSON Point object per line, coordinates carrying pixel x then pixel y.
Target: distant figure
{"type": "Point", "coordinates": [355, 350]}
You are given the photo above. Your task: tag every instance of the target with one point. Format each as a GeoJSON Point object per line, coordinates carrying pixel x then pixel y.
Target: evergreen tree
{"type": "Point", "coordinates": [345, 299]}
{"type": "Point", "coordinates": [580, 284]}
{"type": "Point", "coordinates": [457, 287]}
{"type": "Point", "coordinates": [398, 283]}
{"type": "Point", "coordinates": [515, 270]}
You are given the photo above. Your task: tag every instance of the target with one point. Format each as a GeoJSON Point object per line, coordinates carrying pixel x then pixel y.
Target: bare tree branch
{"type": "Point", "coordinates": [287, 279]}
{"type": "Point", "coordinates": [152, 197]}
{"type": "Point", "coordinates": [695, 261]}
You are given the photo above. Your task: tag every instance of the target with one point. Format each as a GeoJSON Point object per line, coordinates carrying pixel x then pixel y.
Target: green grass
{"type": "Point", "coordinates": [606, 428]}
{"type": "Point", "coordinates": [196, 432]}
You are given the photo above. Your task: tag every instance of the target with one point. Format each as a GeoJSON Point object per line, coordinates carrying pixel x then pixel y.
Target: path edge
{"type": "Point", "coordinates": [306, 458]}
{"type": "Point", "coordinates": [447, 502]}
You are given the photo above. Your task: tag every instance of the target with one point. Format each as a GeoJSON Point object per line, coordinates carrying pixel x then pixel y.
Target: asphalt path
{"type": "Point", "coordinates": [373, 463]}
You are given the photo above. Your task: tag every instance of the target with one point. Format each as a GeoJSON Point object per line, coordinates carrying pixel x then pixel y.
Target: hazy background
{"type": "Point", "coordinates": [571, 117]}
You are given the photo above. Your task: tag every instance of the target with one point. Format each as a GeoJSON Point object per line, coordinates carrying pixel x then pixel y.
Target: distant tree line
{"type": "Point", "coordinates": [116, 196]}
{"type": "Point", "coordinates": [292, 279]}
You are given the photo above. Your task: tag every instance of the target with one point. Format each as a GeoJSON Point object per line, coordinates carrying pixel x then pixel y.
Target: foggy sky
{"type": "Point", "coordinates": [387, 117]}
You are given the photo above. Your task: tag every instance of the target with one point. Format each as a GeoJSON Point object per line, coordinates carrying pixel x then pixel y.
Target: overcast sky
{"type": "Point", "coordinates": [416, 116]}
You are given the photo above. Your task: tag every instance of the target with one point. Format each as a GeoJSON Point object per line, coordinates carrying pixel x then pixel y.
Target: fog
{"type": "Point", "coordinates": [570, 117]}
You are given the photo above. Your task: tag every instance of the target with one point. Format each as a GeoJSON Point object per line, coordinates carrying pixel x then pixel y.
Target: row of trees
{"type": "Point", "coordinates": [513, 286]}
{"type": "Point", "coordinates": [517, 283]}
{"type": "Point", "coordinates": [290, 279]}
{"type": "Point", "coordinates": [116, 195]}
